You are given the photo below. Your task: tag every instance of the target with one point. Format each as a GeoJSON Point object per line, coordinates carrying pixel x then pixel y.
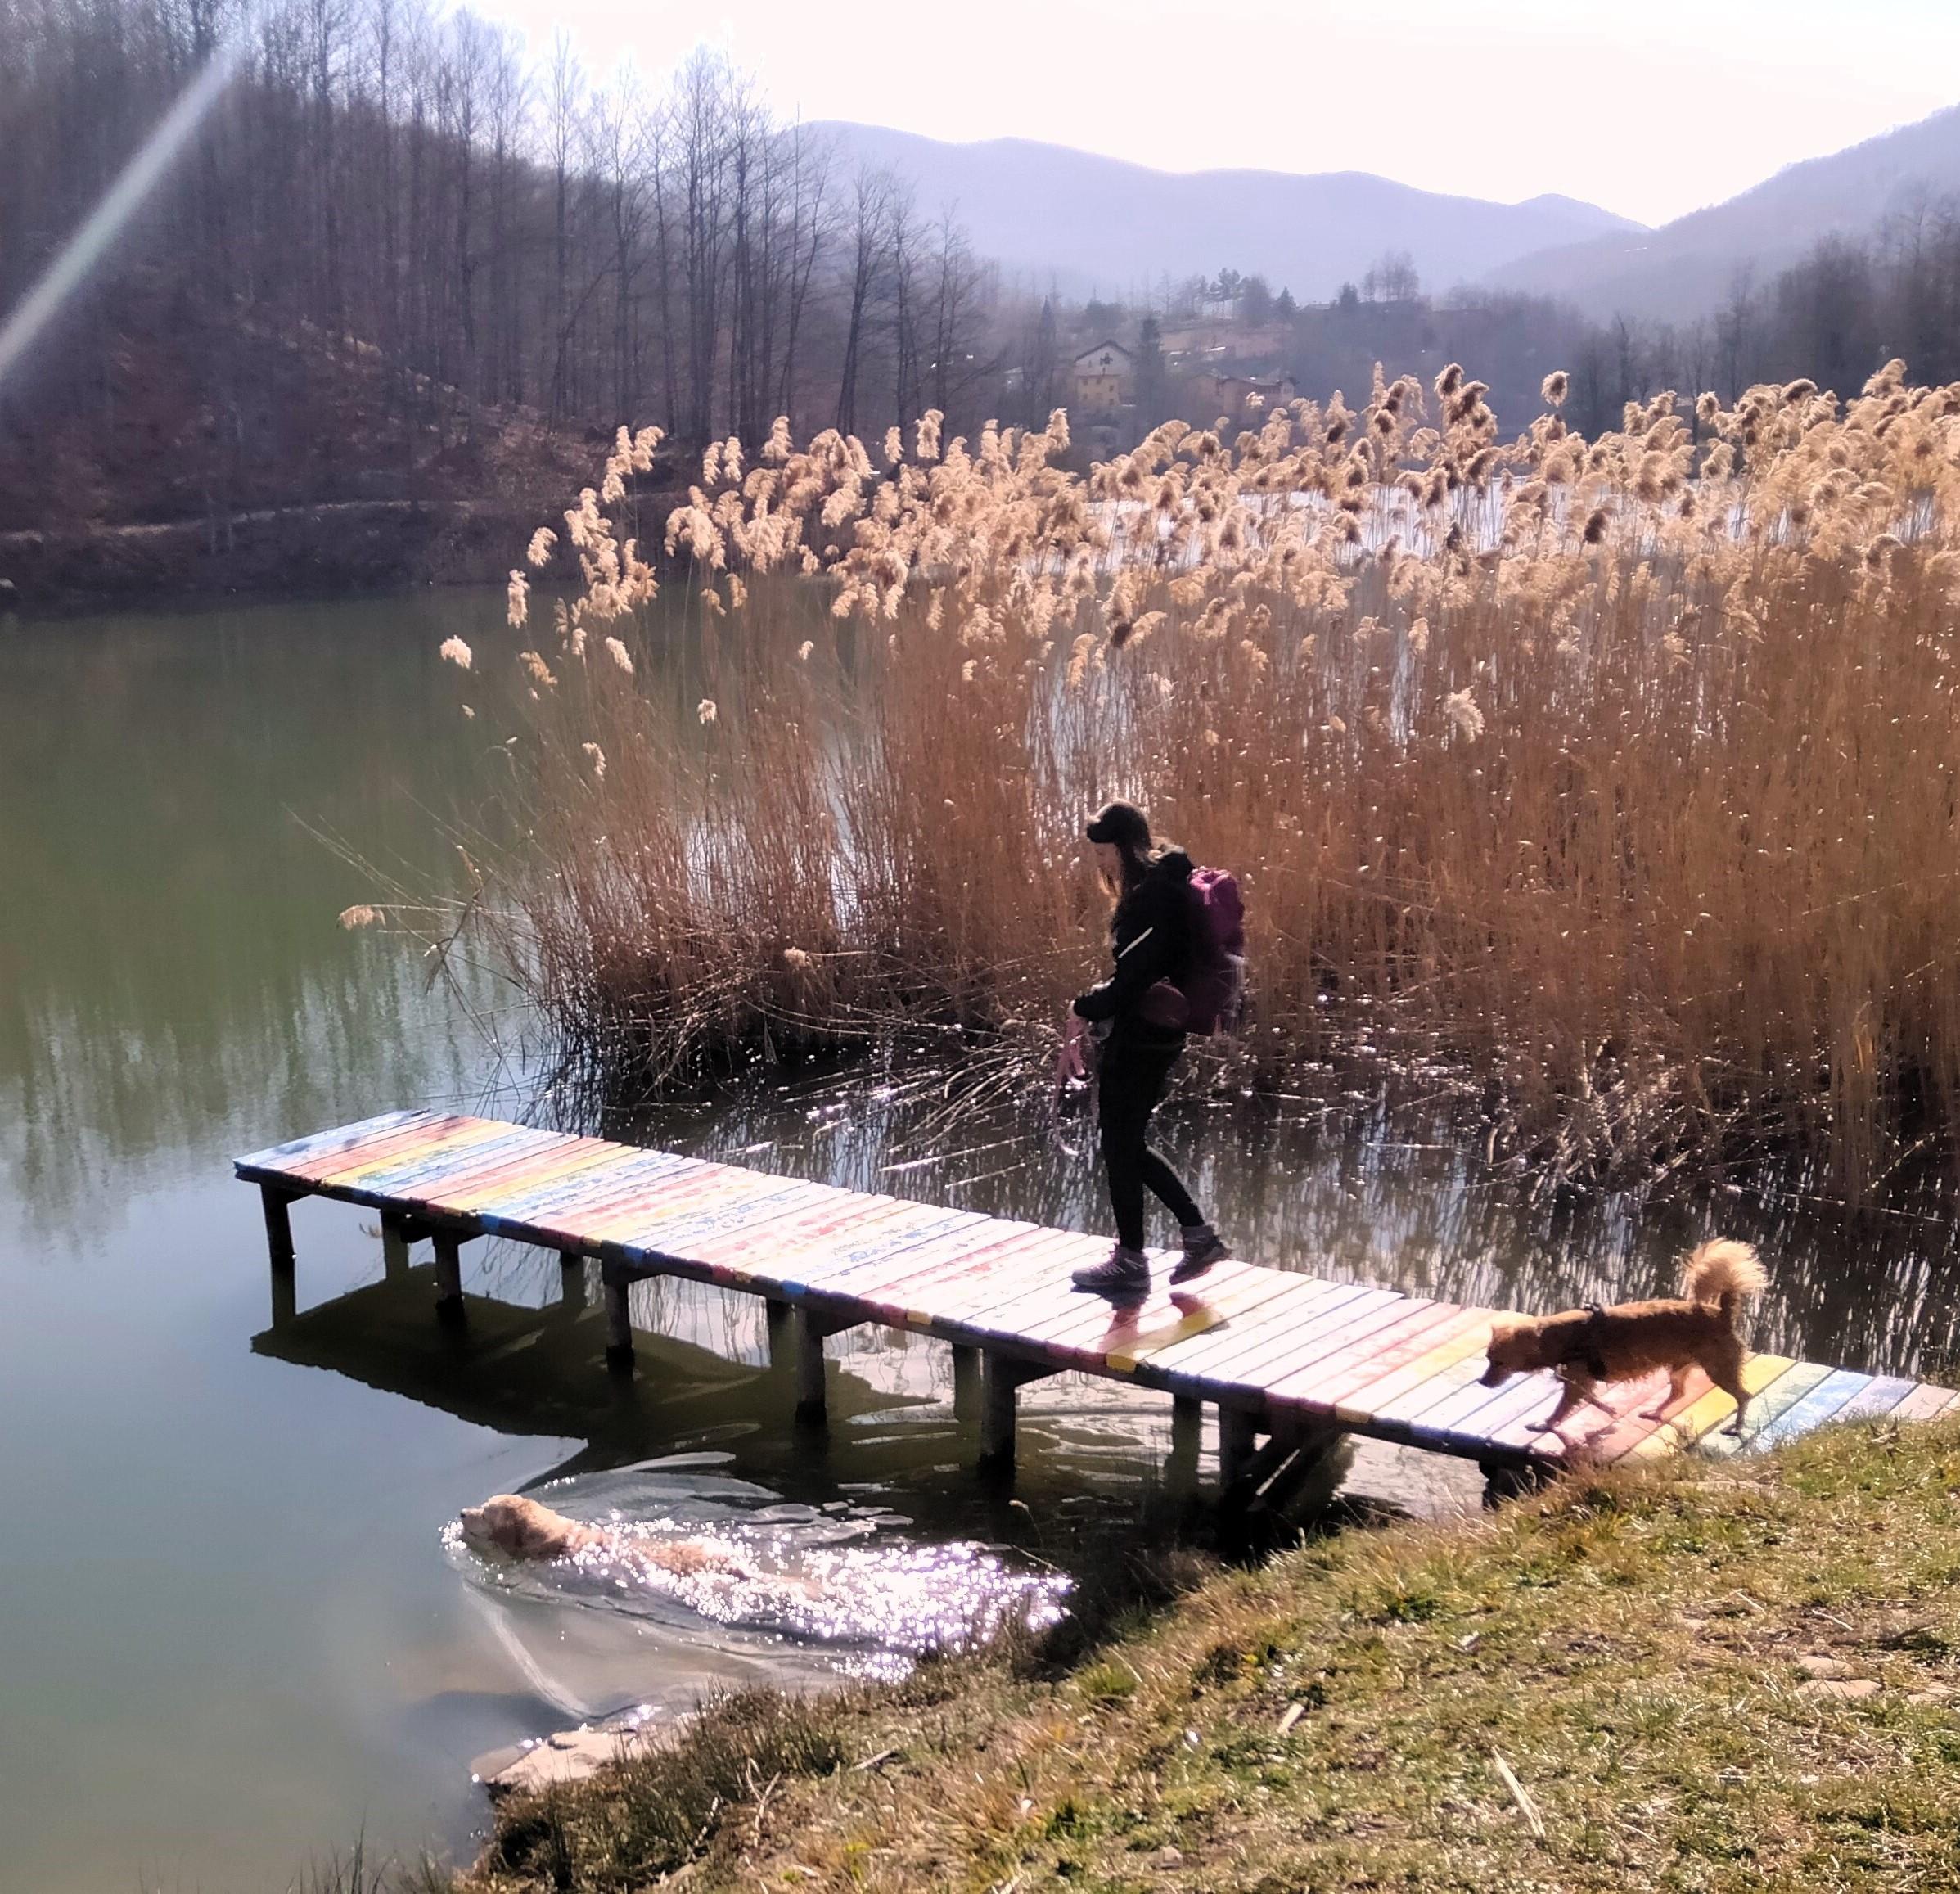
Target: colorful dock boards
{"type": "Point", "coordinates": [1274, 1343]}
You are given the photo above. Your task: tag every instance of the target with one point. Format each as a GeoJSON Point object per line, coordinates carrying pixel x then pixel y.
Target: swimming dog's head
{"type": "Point", "coordinates": [1517, 1346]}
{"type": "Point", "coordinates": [510, 1523]}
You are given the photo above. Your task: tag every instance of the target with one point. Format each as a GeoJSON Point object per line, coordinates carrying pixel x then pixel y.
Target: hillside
{"type": "Point", "coordinates": [1094, 225]}
{"type": "Point", "coordinates": [1685, 268]}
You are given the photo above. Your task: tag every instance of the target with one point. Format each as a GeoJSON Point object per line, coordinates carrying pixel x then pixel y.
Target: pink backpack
{"type": "Point", "coordinates": [1214, 987]}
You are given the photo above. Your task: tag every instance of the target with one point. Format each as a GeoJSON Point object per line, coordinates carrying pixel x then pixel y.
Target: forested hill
{"type": "Point", "coordinates": [398, 262]}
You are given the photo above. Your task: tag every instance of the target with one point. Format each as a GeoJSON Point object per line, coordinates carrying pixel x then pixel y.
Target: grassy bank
{"type": "Point", "coordinates": [1607, 782]}
{"type": "Point", "coordinates": [1710, 1677]}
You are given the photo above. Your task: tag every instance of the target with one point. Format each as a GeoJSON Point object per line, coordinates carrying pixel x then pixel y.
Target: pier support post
{"type": "Point", "coordinates": [1238, 1440]}
{"type": "Point", "coordinates": [448, 1273]}
{"type": "Point", "coordinates": [394, 1245]}
{"type": "Point", "coordinates": [780, 1323]}
{"type": "Point", "coordinates": [278, 1204]}
{"type": "Point", "coordinates": [1001, 1380]}
{"type": "Point", "coordinates": [619, 1326]}
{"type": "Point", "coordinates": [571, 1281]}
{"type": "Point", "coordinates": [1187, 1438]}
{"type": "Point", "coordinates": [1505, 1478]}
{"type": "Point", "coordinates": [807, 1333]}
{"type": "Point", "coordinates": [1305, 1483]}
{"type": "Point", "coordinates": [966, 1389]}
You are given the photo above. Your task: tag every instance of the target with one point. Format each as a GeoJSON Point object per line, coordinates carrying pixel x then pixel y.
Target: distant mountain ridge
{"type": "Point", "coordinates": [1685, 268]}
{"type": "Point", "coordinates": [1093, 225]}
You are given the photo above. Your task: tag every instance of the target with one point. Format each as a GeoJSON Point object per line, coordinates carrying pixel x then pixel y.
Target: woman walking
{"type": "Point", "coordinates": [1138, 1014]}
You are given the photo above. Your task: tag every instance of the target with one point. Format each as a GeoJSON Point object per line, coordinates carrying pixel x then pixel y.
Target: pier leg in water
{"type": "Point", "coordinates": [619, 1326]}
{"type": "Point", "coordinates": [278, 1206]}
{"type": "Point", "coordinates": [1186, 1441]}
{"type": "Point", "coordinates": [571, 1281]}
{"type": "Point", "coordinates": [1319, 1454]}
{"type": "Point", "coordinates": [1238, 1438]}
{"type": "Point", "coordinates": [966, 1389]}
{"type": "Point", "coordinates": [781, 1320]}
{"type": "Point", "coordinates": [1001, 1382]}
{"type": "Point", "coordinates": [395, 1240]}
{"type": "Point", "coordinates": [449, 1274]}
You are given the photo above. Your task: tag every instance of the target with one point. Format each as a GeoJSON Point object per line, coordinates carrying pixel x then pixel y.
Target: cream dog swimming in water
{"type": "Point", "coordinates": [521, 1528]}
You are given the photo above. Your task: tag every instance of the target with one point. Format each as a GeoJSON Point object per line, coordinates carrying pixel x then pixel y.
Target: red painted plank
{"type": "Point", "coordinates": [472, 1185]}
{"type": "Point", "coordinates": [452, 1134]}
{"type": "Point", "coordinates": [981, 1306]}
{"type": "Point", "coordinates": [1603, 1440]}
{"type": "Point", "coordinates": [667, 1196]}
{"type": "Point", "coordinates": [1199, 1365]}
{"type": "Point", "coordinates": [956, 1236]}
{"type": "Point", "coordinates": [1229, 1290]}
{"type": "Point", "coordinates": [1227, 1311]}
{"type": "Point", "coordinates": [1298, 1363]}
{"type": "Point", "coordinates": [938, 1298]}
{"type": "Point", "coordinates": [1465, 1340]}
{"type": "Point", "coordinates": [1288, 1348]}
{"type": "Point", "coordinates": [1250, 1318]}
{"type": "Point", "coordinates": [1335, 1381]}
{"type": "Point", "coordinates": [395, 1178]}
{"type": "Point", "coordinates": [1318, 1384]}
{"type": "Point", "coordinates": [316, 1144]}
{"type": "Point", "coordinates": [613, 1190]}
{"type": "Point", "coordinates": [352, 1144]}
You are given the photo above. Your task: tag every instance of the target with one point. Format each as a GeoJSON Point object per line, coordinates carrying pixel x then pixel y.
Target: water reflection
{"type": "Point", "coordinates": [237, 1627]}
{"type": "Point", "coordinates": [169, 966]}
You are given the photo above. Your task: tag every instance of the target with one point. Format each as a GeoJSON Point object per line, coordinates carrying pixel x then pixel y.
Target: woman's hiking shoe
{"type": "Point", "coordinates": [1126, 1272]}
{"type": "Point", "coordinates": [1201, 1250]}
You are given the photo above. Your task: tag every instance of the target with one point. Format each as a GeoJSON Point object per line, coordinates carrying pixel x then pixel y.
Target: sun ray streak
{"type": "Point", "coordinates": [148, 166]}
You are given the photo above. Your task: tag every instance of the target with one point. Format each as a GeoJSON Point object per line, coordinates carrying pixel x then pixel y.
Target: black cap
{"type": "Point", "coordinates": [1124, 824]}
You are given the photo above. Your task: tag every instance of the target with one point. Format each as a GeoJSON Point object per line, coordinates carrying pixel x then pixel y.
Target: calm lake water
{"type": "Point", "coordinates": [231, 1638]}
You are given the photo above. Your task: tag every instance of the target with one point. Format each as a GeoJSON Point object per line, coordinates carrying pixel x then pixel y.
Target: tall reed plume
{"type": "Point", "coordinates": [1621, 776]}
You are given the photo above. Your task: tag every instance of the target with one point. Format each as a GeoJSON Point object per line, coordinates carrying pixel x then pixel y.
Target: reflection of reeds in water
{"type": "Point", "coordinates": [1619, 774]}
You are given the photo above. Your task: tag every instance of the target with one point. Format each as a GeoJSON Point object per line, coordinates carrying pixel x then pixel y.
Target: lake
{"type": "Point", "coordinates": [231, 1638]}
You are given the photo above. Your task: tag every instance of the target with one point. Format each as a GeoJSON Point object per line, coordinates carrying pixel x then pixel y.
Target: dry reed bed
{"type": "Point", "coordinates": [1618, 776]}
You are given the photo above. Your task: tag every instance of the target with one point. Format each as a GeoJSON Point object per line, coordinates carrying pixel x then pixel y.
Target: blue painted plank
{"type": "Point", "coordinates": [1882, 1394]}
{"type": "Point", "coordinates": [1822, 1403]}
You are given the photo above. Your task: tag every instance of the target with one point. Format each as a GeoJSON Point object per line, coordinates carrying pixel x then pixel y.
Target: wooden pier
{"type": "Point", "coordinates": [1292, 1362]}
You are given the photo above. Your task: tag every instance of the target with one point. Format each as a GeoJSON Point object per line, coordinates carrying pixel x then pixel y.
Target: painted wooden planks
{"type": "Point", "coordinates": [295, 1158]}
{"type": "Point", "coordinates": [1713, 1410]}
{"type": "Point", "coordinates": [1400, 1367]}
{"type": "Point", "coordinates": [1819, 1404]}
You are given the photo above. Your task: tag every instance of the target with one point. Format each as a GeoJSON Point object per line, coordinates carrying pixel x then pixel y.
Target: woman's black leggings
{"type": "Point", "coordinates": [1130, 1081]}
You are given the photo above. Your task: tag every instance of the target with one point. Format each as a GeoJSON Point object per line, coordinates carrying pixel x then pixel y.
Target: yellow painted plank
{"type": "Point", "coordinates": [1709, 1411]}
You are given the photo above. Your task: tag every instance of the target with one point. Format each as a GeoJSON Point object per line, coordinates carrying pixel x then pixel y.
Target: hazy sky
{"type": "Point", "coordinates": [1649, 107]}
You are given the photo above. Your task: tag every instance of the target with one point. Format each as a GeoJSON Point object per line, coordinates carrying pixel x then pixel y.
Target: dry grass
{"type": "Point", "coordinates": [1620, 778]}
{"type": "Point", "coordinates": [1659, 1659]}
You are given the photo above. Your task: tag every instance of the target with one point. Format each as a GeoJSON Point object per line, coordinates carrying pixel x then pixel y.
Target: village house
{"type": "Point", "coordinates": [1105, 379]}
{"type": "Point", "coordinates": [1232, 396]}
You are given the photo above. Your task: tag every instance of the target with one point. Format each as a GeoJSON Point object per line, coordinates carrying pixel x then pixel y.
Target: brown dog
{"type": "Point", "coordinates": [1587, 1346]}
{"type": "Point", "coordinates": [522, 1529]}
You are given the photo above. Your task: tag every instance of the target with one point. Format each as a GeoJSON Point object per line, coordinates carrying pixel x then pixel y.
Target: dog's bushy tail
{"type": "Point", "coordinates": [1723, 1272]}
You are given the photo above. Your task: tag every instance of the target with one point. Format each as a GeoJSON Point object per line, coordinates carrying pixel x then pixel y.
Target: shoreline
{"type": "Point", "coordinates": [335, 549]}
{"type": "Point", "coordinates": [1726, 1674]}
